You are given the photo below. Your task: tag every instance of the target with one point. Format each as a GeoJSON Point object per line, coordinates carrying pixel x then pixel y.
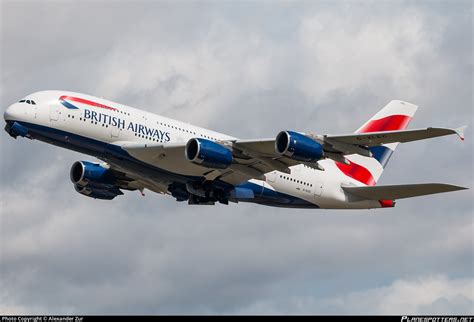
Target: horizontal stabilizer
{"type": "Point", "coordinates": [394, 192]}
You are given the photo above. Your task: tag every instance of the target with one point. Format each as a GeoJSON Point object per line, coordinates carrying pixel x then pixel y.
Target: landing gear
{"type": "Point", "coordinates": [197, 200]}
{"type": "Point", "coordinates": [199, 193]}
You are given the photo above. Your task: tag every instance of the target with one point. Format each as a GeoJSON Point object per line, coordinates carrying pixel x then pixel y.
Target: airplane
{"type": "Point", "coordinates": [139, 150]}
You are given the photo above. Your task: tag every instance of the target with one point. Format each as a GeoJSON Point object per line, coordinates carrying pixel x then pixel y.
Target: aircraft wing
{"type": "Point", "coordinates": [262, 153]}
{"type": "Point", "coordinates": [376, 138]}
{"type": "Point", "coordinates": [251, 159]}
{"type": "Point", "coordinates": [335, 146]}
{"type": "Point", "coordinates": [393, 192]}
{"type": "Point", "coordinates": [254, 158]}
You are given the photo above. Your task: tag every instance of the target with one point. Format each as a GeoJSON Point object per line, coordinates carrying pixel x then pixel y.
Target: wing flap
{"type": "Point", "coordinates": [393, 192]}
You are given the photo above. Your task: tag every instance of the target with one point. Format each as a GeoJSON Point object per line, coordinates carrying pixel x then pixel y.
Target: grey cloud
{"type": "Point", "coordinates": [429, 294]}
{"type": "Point", "coordinates": [247, 70]}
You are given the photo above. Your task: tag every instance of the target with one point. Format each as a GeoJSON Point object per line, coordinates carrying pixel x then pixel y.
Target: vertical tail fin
{"type": "Point", "coordinates": [394, 116]}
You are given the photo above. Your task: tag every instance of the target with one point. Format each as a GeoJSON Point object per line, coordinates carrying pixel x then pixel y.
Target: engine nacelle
{"type": "Point", "coordinates": [83, 172]}
{"type": "Point", "coordinates": [108, 193]}
{"type": "Point", "coordinates": [298, 147]}
{"type": "Point", "coordinates": [94, 180]}
{"type": "Point", "coordinates": [208, 153]}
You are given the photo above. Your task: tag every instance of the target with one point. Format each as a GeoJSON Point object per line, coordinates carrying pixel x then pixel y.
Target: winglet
{"type": "Point", "coordinates": [460, 131]}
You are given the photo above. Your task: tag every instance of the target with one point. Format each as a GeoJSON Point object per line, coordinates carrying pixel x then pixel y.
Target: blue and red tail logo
{"type": "Point", "coordinates": [66, 101]}
{"type": "Point", "coordinates": [381, 153]}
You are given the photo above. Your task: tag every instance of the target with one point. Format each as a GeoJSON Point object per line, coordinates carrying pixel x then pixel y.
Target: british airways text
{"type": "Point", "coordinates": [121, 124]}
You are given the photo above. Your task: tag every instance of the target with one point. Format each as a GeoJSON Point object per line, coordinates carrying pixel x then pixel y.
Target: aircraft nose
{"type": "Point", "coordinates": [12, 116]}
{"type": "Point", "coordinates": [9, 113]}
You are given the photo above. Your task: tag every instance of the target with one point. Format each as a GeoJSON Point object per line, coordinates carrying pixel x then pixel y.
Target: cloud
{"type": "Point", "coordinates": [249, 71]}
{"type": "Point", "coordinates": [433, 294]}
{"type": "Point", "coordinates": [94, 258]}
{"type": "Point", "coordinates": [345, 52]}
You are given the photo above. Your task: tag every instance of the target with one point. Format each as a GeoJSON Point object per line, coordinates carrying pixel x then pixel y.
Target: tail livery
{"type": "Point", "coordinates": [395, 116]}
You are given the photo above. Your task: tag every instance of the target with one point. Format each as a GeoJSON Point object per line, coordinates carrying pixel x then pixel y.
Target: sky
{"type": "Point", "coordinates": [247, 69]}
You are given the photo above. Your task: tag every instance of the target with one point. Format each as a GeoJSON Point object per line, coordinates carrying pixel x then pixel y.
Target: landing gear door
{"type": "Point", "coordinates": [318, 189]}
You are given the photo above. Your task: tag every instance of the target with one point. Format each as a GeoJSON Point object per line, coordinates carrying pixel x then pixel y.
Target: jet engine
{"type": "Point", "coordinates": [208, 153]}
{"type": "Point", "coordinates": [298, 147]}
{"type": "Point", "coordinates": [94, 180]}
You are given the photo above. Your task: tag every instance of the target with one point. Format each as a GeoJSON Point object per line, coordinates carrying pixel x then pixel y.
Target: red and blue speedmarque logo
{"type": "Point", "coordinates": [66, 101]}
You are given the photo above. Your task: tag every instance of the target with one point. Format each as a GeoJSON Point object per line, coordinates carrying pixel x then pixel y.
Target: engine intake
{"type": "Point", "coordinates": [208, 153]}
{"type": "Point", "coordinates": [83, 173]}
{"type": "Point", "coordinates": [298, 147]}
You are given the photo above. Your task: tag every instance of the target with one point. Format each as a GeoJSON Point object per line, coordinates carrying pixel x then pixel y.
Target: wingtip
{"type": "Point", "coordinates": [456, 188]}
{"type": "Point", "coordinates": [460, 131]}
{"type": "Point", "coordinates": [450, 187]}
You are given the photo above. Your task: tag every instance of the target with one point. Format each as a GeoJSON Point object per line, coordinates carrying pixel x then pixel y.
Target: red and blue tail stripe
{"type": "Point", "coordinates": [381, 153]}
{"type": "Point", "coordinates": [388, 123]}
{"type": "Point", "coordinates": [357, 172]}
{"type": "Point", "coordinates": [394, 116]}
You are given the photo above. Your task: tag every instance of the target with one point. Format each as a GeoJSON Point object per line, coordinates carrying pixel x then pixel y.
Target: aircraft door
{"type": "Point", "coordinates": [53, 112]}
{"type": "Point", "coordinates": [271, 176]}
{"type": "Point", "coordinates": [318, 189]}
{"type": "Point", "coordinates": [35, 111]}
{"type": "Point", "coordinates": [114, 132]}
{"type": "Point", "coordinates": [32, 111]}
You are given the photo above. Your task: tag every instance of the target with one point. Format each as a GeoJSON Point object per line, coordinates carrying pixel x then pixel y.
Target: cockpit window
{"type": "Point", "coordinates": [27, 102]}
